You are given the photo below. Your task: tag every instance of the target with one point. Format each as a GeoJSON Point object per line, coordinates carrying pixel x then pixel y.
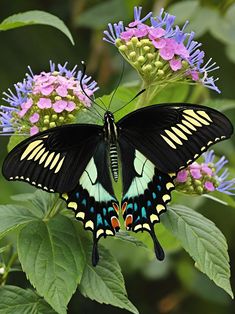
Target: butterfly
{"type": "Point", "coordinates": [148, 146]}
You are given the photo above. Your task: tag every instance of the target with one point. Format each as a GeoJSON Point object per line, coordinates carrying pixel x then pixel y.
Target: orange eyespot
{"type": "Point", "coordinates": [128, 221]}
{"type": "Point", "coordinates": [124, 205]}
{"type": "Point", "coordinates": [115, 223]}
{"type": "Point", "coordinates": [116, 207]}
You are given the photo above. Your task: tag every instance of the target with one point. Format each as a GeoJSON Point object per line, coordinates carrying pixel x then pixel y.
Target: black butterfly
{"type": "Point", "coordinates": [79, 161]}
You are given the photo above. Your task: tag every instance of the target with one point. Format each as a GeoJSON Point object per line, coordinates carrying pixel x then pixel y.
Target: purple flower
{"type": "Point", "coordinates": [34, 118]}
{"type": "Point", "coordinates": [182, 176]}
{"type": "Point", "coordinates": [44, 103]}
{"type": "Point", "coordinates": [206, 177]}
{"type": "Point", "coordinates": [209, 186]}
{"type": "Point", "coordinates": [171, 43]}
{"type": "Point", "coordinates": [40, 99]}
{"type": "Point", "coordinates": [34, 130]}
{"type": "Point", "coordinates": [59, 105]}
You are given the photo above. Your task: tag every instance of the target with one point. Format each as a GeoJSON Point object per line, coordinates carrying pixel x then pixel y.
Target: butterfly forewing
{"type": "Point", "coordinates": [173, 135]}
{"type": "Point", "coordinates": [53, 160]}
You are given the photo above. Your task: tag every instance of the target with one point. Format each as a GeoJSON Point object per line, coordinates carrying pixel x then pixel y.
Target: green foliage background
{"type": "Point", "coordinates": [173, 286]}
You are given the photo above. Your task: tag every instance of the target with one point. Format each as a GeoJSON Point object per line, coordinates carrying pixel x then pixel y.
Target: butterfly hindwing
{"type": "Point", "coordinates": [172, 136]}
{"type": "Point", "coordinates": [146, 191]}
{"type": "Point", "coordinates": [53, 160]}
{"type": "Point", "coordinates": [93, 199]}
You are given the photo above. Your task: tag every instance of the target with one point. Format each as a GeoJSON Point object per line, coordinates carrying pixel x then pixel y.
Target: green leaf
{"type": "Point", "coordinates": [39, 202]}
{"type": "Point", "coordinates": [183, 10]}
{"type": "Point", "coordinates": [100, 15]}
{"type": "Point", "coordinates": [17, 300]}
{"type": "Point", "coordinates": [122, 96]}
{"type": "Point", "coordinates": [15, 140]}
{"type": "Point", "coordinates": [167, 240]}
{"type": "Point", "coordinates": [172, 93]}
{"type": "Point", "coordinates": [203, 241]}
{"type": "Point", "coordinates": [221, 104]}
{"type": "Point", "coordinates": [223, 27]}
{"type": "Point", "coordinates": [195, 13]}
{"type": "Point", "coordinates": [126, 237]}
{"type": "Point", "coordinates": [104, 283]}
{"type": "Point", "coordinates": [35, 17]}
{"type": "Point", "coordinates": [51, 255]}
{"type": "Point", "coordinates": [230, 52]}
{"type": "Point", "coordinates": [13, 216]}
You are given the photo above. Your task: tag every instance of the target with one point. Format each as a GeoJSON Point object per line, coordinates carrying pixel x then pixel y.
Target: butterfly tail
{"type": "Point", "coordinates": [95, 252]}
{"type": "Point", "coordinates": [160, 255]}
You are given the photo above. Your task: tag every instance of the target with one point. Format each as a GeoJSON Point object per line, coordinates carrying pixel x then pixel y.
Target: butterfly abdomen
{"type": "Point", "coordinates": [113, 155]}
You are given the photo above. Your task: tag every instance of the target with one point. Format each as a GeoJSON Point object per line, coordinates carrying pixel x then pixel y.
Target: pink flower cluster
{"type": "Point", "coordinates": [196, 171]}
{"type": "Point", "coordinates": [169, 49]}
{"type": "Point", "coordinates": [54, 92]}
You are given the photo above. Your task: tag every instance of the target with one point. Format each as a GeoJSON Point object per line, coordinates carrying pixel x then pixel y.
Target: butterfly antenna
{"type": "Point", "coordinates": [82, 77]}
{"type": "Point", "coordinates": [137, 95]}
{"type": "Point", "coordinates": [118, 84]}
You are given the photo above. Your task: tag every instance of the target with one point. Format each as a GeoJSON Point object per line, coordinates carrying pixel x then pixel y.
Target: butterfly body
{"type": "Point", "coordinates": [150, 145]}
{"type": "Point", "coordinates": [111, 137]}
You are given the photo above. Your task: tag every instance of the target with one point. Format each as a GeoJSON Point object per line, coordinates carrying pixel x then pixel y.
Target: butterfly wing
{"type": "Point", "coordinates": [53, 160]}
{"type": "Point", "coordinates": [93, 199]}
{"type": "Point", "coordinates": [155, 141]}
{"type": "Point", "coordinates": [71, 160]}
{"type": "Point", "coordinates": [173, 135]}
{"type": "Point", "coordinates": [146, 191]}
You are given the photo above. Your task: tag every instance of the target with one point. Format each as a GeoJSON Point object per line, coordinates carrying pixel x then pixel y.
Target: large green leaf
{"type": "Point", "coordinates": [172, 93]}
{"type": "Point", "coordinates": [15, 140]}
{"type": "Point", "coordinates": [183, 10]}
{"type": "Point", "coordinates": [100, 15]}
{"type": "Point", "coordinates": [51, 255]}
{"type": "Point", "coordinates": [203, 241]}
{"type": "Point", "coordinates": [17, 300]}
{"type": "Point", "coordinates": [13, 216]}
{"type": "Point", "coordinates": [223, 27]}
{"type": "Point", "coordinates": [35, 17]}
{"type": "Point", "coordinates": [104, 283]}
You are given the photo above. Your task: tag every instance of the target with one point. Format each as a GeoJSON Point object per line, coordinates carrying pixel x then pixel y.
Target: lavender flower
{"type": "Point", "coordinates": [205, 177]}
{"type": "Point", "coordinates": [160, 50]}
{"type": "Point", "coordinates": [45, 100]}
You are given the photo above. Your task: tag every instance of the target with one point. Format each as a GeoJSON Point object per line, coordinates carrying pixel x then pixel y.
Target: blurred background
{"type": "Point", "coordinates": [174, 286]}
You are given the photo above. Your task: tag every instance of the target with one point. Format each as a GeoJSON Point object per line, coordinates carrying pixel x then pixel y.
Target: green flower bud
{"type": "Point", "coordinates": [150, 56]}
{"type": "Point", "coordinates": [197, 183]}
{"type": "Point", "coordinates": [147, 68]}
{"type": "Point", "coordinates": [118, 42]}
{"type": "Point", "coordinates": [123, 48]}
{"type": "Point", "coordinates": [160, 72]}
{"type": "Point", "coordinates": [132, 55]}
{"type": "Point", "coordinates": [58, 98]}
{"type": "Point", "coordinates": [158, 64]}
{"type": "Point", "coordinates": [199, 190]}
{"type": "Point", "coordinates": [54, 117]}
{"type": "Point", "coordinates": [141, 59]}
{"type": "Point", "coordinates": [146, 48]}
{"type": "Point", "coordinates": [61, 119]}
{"type": "Point", "coordinates": [52, 124]}
{"type": "Point", "coordinates": [134, 40]}
{"type": "Point", "coordinates": [46, 121]}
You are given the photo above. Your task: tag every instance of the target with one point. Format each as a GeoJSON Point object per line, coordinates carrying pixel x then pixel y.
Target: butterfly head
{"type": "Point", "coordinates": [108, 117]}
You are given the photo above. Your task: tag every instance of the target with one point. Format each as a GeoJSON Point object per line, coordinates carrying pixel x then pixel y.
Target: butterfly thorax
{"type": "Point", "coordinates": [110, 135]}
